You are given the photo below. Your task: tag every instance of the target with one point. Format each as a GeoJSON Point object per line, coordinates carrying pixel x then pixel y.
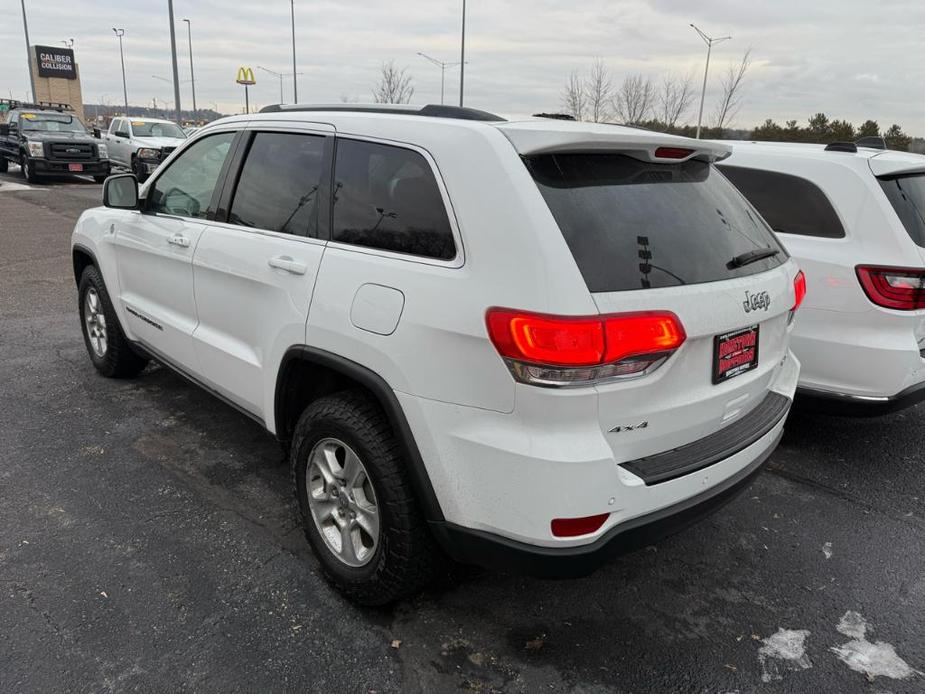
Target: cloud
{"type": "Point", "coordinates": [848, 58]}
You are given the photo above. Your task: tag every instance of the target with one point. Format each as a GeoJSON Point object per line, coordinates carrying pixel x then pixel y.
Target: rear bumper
{"type": "Point", "coordinates": [61, 168]}
{"type": "Point", "coordinates": [503, 554]}
{"type": "Point", "coordinates": [848, 405]}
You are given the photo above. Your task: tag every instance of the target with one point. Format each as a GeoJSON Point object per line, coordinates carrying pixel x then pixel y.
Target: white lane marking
{"type": "Point", "coordinates": [877, 659]}
{"type": "Point", "coordinates": [783, 651]}
{"type": "Point", "coordinates": [827, 550]}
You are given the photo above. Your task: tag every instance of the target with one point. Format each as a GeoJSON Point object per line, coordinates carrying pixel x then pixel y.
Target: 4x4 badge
{"type": "Point", "coordinates": [753, 302]}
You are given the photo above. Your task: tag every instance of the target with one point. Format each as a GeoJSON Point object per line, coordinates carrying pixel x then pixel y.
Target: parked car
{"type": "Point", "coordinates": [49, 140]}
{"type": "Point", "coordinates": [528, 345]}
{"type": "Point", "coordinates": [854, 220]}
{"type": "Point", "coordinates": [141, 144]}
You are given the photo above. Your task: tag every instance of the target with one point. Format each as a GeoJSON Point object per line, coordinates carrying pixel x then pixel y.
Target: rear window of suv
{"type": "Point", "coordinates": [907, 196]}
{"type": "Point", "coordinates": [632, 224]}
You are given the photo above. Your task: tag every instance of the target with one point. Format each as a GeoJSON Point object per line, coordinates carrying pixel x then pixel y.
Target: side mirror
{"type": "Point", "coordinates": [4, 130]}
{"type": "Point", "coordinates": [122, 133]}
{"type": "Point", "coordinates": [97, 134]}
{"type": "Point", "coordinates": [121, 192]}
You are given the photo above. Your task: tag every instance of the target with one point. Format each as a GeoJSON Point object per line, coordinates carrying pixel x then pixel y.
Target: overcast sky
{"type": "Point", "coordinates": [853, 59]}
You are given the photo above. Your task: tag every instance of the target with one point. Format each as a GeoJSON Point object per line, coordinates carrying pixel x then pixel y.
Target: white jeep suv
{"type": "Point", "coordinates": [854, 219]}
{"type": "Point", "coordinates": [528, 345]}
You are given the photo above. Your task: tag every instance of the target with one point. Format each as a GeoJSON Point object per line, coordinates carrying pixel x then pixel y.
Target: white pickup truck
{"type": "Point", "coordinates": [140, 144]}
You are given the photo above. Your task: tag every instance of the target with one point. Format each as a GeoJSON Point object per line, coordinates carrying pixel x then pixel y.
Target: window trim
{"type": "Point", "coordinates": [720, 166]}
{"type": "Point", "coordinates": [219, 183]}
{"type": "Point", "coordinates": [232, 177]}
{"type": "Point", "coordinates": [456, 262]}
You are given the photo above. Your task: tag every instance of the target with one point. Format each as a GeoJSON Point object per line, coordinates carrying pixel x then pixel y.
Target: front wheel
{"type": "Point", "coordinates": [4, 164]}
{"type": "Point", "coordinates": [109, 350]}
{"type": "Point", "coordinates": [101, 178]}
{"type": "Point", "coordinates": [28, 169]}
{"type": "Point", "coordinates": [358, 509]}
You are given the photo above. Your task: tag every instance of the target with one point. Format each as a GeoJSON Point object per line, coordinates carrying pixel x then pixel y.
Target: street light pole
{"type": "Point", "coordinates": [120, 33]}
{"type": "Point", "coordinates": [295, 78]}
{"type": "Point", "coordinates": [25, 28]}
{"type": "Point", "coordinates": [443, 66]}
{"type": "Point", "coordinates": [703, 92]}
{"type": "Point", "coordinates": [173, 58]}
{"type": "Point", "coordinates": [189, 35]}
{"type": "Point", "coordinates": [462, 56]}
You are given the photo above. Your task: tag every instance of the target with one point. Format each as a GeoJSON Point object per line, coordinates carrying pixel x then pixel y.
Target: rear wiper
{"type": "Point", "coordinates": [752, 256]}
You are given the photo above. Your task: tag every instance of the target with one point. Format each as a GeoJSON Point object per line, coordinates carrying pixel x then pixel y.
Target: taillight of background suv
{"type": "Point", "coordinates": [898, 288]}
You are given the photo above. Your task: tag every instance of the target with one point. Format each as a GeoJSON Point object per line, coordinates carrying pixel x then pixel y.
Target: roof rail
{"type": "Point", "coordinates": [431, 110]}
{"type": "Point", "coordinates": [872, 141]}
{"type": "Point", "coordinates": [841, 147]}
{"type": "Point", "coordinates": [39, 106]}
{"type": "Point", "coordinates": [555, 116]}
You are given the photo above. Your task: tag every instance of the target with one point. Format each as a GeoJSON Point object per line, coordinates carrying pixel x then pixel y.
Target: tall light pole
{"type": "Point", "coordinates": [703, 92]}
{"type": "Point", "coordinates": [173, 58]}
{"type": "Point", "coordinates": [189, 35]}
{"type": "Point", "coordinates": [280, 75]}
{"type": "Point", "coordinates": [120, 33]}
{"type": "Point", "coordinates": [462, 56]}
{"type": "Point", "coordinates": [68, 43]}
{"type": "Point", "coordinates": [443, 66]}
{"type": "Point", "coordinates": [295, 78]}
{"type": "Point", "coordinates": [25, 28]}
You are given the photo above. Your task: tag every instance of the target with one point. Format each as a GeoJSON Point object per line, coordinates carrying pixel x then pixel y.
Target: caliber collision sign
{"type": "Point", "coordinates": [55, 62]}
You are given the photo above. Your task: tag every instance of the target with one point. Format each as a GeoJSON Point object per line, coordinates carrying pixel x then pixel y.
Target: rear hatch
{"type": "Point", "coordinates": [902, 177]}
{"type": "Point", "coordinates": [653, 226]}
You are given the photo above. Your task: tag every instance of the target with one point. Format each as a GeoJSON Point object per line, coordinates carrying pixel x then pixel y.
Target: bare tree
{"type": "Point", "coordinates": [634, 100]}
{"type": "Point", "coordinates": [573, 97]}
{"type": "Point", "coordinates": [675, 98]}
{"type": "Point", "coordinates": [599, 92]}
{"type": "Point", "coordinates": [394, 85]}
{"type": "Point", "coordinates": [732, 81]}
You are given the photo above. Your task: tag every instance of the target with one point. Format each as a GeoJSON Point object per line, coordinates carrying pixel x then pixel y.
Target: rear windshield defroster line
{"type": "Point", "coordinates": [632, 224]}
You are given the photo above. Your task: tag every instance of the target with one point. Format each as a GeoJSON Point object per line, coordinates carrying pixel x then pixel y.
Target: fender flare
{"type": "Point", "coordinates": [384, 394]}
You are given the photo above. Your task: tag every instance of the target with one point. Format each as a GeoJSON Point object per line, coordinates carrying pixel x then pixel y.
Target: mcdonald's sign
{"type": "Point", "coordinates": [245, 76]}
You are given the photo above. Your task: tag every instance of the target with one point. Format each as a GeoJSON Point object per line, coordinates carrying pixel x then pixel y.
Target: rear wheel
{"type": "Point", "coordinates": [358, 509]}
{"type": "Point", "coordinates": [4, 164]}
{"type": "Point", "coordinates": [109, 350]}
{"type": "Point", "coordinates": [101, 178]}
{"type": "Point", "coordinates": [28, 169]}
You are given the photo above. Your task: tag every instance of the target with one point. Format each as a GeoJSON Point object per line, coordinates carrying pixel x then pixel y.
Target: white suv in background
{"type": "Point", "coordinates": [854, 219]}
{"type": "Point", "coordinates": [532, 345]}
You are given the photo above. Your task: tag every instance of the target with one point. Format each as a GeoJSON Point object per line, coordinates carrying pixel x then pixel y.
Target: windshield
{"type": "Point", "coordinates": [632, 224]}
{"type": "Point", "coordinates": [907, 196]}
{"type": "Point", "coordinates": [147, 129]}
{"type": "Point", "coordinates": [51, 122]}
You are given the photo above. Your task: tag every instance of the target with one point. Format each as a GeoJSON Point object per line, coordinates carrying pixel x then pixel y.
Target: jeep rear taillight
{"type": "Point", "coordinates": [899, 288]}
{"type": "Point", "coordinates": [561, 351]}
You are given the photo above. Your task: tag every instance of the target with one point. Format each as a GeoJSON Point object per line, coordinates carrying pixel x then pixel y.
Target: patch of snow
{"type": "Point", "coordinates": [877, 659]}
{"type": "Point", "coordinates": [782, 651]}
{"type": "Point", "coordinates": [10, 187]}
{"type": "Point", "coordinates": [827, 550]}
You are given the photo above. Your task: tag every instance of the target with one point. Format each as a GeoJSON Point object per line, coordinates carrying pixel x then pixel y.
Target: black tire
{"type": "Point", "coordinates": [118, 360]}
{"type": "Point", "coordinates": [405, 558]}
{"type": "Point", "coordinates": [4, 164]}
{"type": "Point", "coordinates": [27, 167]}
{"type": "Point", "coordinates": [139, 170]}
{"type": "Point", "coordinates": [101, 178]}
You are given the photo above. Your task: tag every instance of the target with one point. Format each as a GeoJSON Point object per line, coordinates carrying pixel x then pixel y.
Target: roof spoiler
{"type": "Point", "coordinates": [873, 141]}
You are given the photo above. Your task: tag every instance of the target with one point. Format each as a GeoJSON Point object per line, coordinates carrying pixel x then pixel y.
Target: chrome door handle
{"type": "Point", "coordinates": [178, 240]}
{"type": "Point", "coordinates": [284, 262]}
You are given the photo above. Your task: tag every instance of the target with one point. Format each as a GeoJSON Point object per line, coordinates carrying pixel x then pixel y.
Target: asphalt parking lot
{"type": "Point", "coordinates": [149, 542]}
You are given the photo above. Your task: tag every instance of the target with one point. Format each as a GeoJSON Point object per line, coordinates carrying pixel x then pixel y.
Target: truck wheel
{"type": "Point", "coordinates": [358, 508]}
{"type": "Point", "coordinates": [109, 350]}
{"type": "Point", "coordinates": [139, 170]}
{"type": "Point", "coordinates": [101, 178]}
{"type": "Point", "coordinates": [4, 164]}
{"type": "Point", "coordinates": [28, 169]}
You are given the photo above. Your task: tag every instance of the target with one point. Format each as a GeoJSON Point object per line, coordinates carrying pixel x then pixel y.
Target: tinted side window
{"type": "Point", "coordinates": [386, 197]}
{"type": "Point", "coordinates": [279, 184]}
{"type": "Point", "coordinates": [790, 204]}
{"type": "Point", "coordinates": [185, 188]}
